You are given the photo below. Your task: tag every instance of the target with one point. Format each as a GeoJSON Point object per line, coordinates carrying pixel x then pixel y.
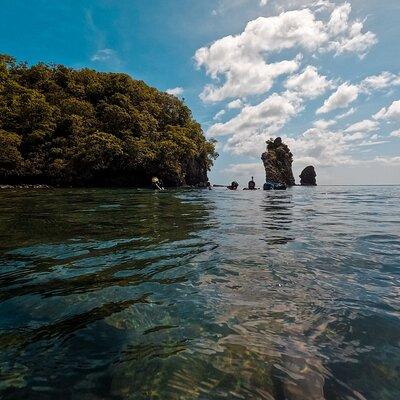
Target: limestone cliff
{"type": "Point", "coordinates": [278, 161]}
{"type": "Point", "coordinates": [307, 177]}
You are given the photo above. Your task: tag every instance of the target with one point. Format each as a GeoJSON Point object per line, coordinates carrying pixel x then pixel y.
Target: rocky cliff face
{"type": "Point", "coordinates": [278, 161]}
{"type": "Point", "coordinates": [307, 177]}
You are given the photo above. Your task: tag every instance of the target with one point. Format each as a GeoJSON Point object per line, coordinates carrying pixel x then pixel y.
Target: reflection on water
{"type": "Point", "coordinates": [132, 294]}
{"type": "Point", "coordinates": [277, 216]}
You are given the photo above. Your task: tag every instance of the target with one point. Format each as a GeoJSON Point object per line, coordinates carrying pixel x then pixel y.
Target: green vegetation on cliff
{"type": "Point", "coordinates": [81, 127]}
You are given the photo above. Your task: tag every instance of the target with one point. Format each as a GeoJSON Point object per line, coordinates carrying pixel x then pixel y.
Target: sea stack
{"type": "Point", "coordinates": [278, 161]}
{"type": "Point", "coordinates": [307, 177]}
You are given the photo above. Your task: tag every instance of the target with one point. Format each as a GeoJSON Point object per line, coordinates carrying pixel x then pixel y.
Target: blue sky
{"type": "Point", "coordinates": [322, 74]}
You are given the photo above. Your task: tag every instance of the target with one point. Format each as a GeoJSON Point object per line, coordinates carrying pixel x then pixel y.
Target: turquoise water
{"type": "Point", "coordinates": [133, 294]}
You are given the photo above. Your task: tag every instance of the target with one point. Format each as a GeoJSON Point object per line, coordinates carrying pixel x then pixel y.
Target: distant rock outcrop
{"type": "Point", "coordinates": [278, 161]}
{"type": "Point", "coordinates": [307, 177]}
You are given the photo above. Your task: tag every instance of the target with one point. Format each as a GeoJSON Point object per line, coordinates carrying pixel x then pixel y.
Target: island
{"type": "Point", "coordinates": [308, 176]}
{"type": "Point", "coordinates": [65, 127]}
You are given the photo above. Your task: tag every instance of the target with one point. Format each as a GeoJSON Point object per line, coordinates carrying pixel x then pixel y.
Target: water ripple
{"type": "Point", "coordinates": [133, 294]}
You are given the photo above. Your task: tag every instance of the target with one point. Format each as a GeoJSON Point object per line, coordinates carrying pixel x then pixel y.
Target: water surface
{"type": "Point", "coordinates": [133, 294]}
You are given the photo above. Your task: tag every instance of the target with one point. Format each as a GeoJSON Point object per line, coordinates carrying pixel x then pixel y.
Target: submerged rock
{"type": "Point", "coordinates": [307, 177]}
{"type": "Point", "coordinates": [278, 161]}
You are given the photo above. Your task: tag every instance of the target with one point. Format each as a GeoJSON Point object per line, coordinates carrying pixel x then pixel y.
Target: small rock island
{"type": "Point", "coordinates": [278, 161]}
{"type": "Point", "coordinates": [308, 176]}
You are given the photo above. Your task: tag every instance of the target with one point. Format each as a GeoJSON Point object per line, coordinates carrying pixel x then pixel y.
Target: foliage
{"type": "Point", "coordinates": [81, 127]}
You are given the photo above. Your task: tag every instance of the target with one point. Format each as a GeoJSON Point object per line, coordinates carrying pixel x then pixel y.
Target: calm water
{"type": "Point", "coordinates": [129, 294]}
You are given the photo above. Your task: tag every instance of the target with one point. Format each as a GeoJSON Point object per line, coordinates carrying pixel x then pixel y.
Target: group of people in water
{"type": "Point", "coordinates": [269, 185]}
{"type": "Point", "coordinates": [251, 185]}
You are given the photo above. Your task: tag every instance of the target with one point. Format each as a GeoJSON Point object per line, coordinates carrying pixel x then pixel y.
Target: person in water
{"type": "Point", "coordinates": [252, 184]}
{"type": "Point", "coordinates": [234, 185]}
{"type": "Point", "coordinates": [156, 183]}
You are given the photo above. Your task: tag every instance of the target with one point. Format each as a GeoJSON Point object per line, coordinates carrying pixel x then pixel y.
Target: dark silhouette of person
{"type": "Point", "coordinates": [234, 185]}
{"type": "Point", "coordinates": [252, 184]}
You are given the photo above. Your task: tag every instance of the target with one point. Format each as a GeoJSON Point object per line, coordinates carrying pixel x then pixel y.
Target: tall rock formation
{"type": "Point", "coordinates": [278, 161]}
{"type": "Point", "coordinates": [307, 177]}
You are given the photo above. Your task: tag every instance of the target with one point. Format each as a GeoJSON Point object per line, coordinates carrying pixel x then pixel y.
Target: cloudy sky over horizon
{"type": "Point", "coordinates": [322, 74]}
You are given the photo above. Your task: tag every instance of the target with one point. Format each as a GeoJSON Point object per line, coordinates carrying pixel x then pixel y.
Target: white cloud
{"type": "Point", "coordinates": [317, 5]}
{"type": "Point", "coordinates": [320, 148]}
{"type": "Point", "coordinates": [178, 91]}
{"type": "Point", "coordinates": [387, 160]}
{"type": "Point", "coordinates": [248, 77]}
{"type": "Point", "coordinates": [379, 82]}
{"type": "Point", "coordinates": [218, 115]}
{"type": "Point", "coordinates": [339, 20]}
{"type": "Point", "coordinates": [324, 124]}
{"type": "Point", "coordinates": [366, 125]}
{"type": "Point", "coordinates": [372, 142]}
{"type": "Point", "coordinates": [346, 114]}
{"type": "Point", "coordinates": [104, 55]}
{"type": "Point", "coordinates": [309, 83]}
{"type": "Point", "coordinates": [392, 112]}
{"type": "Point", "coordinates": [355, 41]}
{"type": "Point", "coordinates": [395, 133]}
{"type": "Point", "coordinates": [235, 104]}
{"type": "Point", "coordinates": [224, 6]}
{"type": "Point", "coordinates": [244, 169]}
{"type": "Point", "coordinates": [241, 60]}
{"type": "Point", "coordinates": [344, 95]}
{"type": "Point", "coordinates": [250, 128]}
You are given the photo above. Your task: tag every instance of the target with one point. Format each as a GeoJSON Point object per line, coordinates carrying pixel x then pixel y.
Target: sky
{"type": "Point", "coordinates": [322, 74]}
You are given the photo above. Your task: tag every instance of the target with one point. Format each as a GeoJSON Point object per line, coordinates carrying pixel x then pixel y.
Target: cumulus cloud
{"type": "Point", "coordinates": [395, 133]}
{"type": "Point", "coordinates": [178, 91]}
{"type": "Point", "coordinates": [354, 41]}
{"type": "Point", "coordinates": [309, 83]}
{"type": "Point", "coordinates": [391, 112]}
{"type": "Point", "coordinates": [324, 124]}
{"type": "Point", "coordinates": [241, 60]}
{"type": "Point", "coordinates": [253, 124]}
{"type": "Point", "coordinates": [344, 95]}
{"type": "Point", "coordinates": [235, 104]}
{"type": "Point", "coordinates": [366, 125]}
{"type": "Point", "coordinates": [246, 77]}
{"type": "Point", "coordinates": [379, 82]}
{"type": "Point", "coordinates": [323, 147]}
{"type": "Point", "coordinates": [339, 20]}
{"type": "Point", "coordinates": [244, 169]}
{"type": "Point", "coordinates": [320, 148]}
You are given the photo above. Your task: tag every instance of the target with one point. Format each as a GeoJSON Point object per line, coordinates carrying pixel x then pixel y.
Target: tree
{"type": "Point", "coordinates": [81, 127]}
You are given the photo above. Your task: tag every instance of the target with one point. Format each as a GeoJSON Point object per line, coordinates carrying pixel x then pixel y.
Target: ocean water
{"type": "Point", "coordinates": [190, 294]}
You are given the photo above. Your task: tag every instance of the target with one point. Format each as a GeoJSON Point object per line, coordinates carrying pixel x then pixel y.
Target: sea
{"type": "Point", "coordinates": [196, 294]}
